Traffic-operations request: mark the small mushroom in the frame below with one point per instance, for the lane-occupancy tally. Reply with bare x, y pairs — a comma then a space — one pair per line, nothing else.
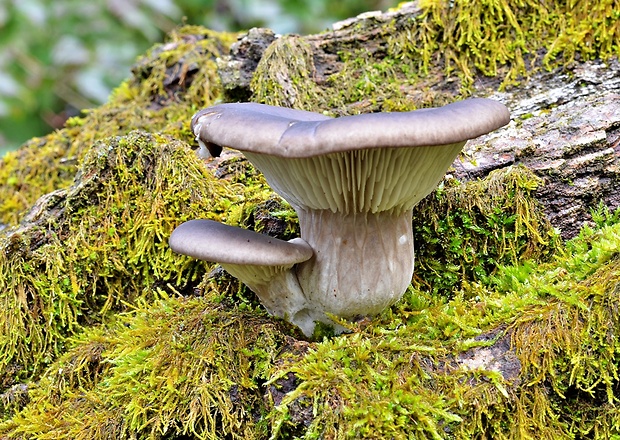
259, 261
353, 182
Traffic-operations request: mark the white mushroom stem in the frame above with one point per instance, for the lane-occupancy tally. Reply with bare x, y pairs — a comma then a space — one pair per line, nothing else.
355, 210
279, 291
362, 262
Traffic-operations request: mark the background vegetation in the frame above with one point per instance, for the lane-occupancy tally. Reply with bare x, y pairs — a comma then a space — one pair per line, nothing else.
60, 56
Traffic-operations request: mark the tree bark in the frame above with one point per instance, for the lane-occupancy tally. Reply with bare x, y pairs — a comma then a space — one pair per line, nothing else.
565, 128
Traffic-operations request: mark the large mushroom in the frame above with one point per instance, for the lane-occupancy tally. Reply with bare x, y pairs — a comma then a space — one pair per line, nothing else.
353, 182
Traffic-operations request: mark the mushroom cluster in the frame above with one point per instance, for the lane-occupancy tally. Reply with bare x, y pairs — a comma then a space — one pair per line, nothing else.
353, 182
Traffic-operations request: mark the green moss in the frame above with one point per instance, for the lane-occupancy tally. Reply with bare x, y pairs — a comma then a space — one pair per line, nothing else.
100, 244
172, 368
201, 367
489, 270
504, 38
362, 81
465, 231
433, 58
284, 76
175, 367
402, 376
168, 85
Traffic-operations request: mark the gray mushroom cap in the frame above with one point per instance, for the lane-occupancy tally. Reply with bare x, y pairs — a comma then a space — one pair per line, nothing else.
365, 163
289, 133
212, 241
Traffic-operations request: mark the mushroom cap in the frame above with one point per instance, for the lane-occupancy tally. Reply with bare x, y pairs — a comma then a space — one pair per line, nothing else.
365, 163
213, 241
290, 133
246, 113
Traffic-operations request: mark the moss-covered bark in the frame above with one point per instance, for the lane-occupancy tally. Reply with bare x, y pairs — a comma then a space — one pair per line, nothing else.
86, 251
168, 85
431, 52
188, 368
506, 331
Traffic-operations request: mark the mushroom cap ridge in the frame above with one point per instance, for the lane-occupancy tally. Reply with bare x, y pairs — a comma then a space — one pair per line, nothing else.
213, 241
293, 133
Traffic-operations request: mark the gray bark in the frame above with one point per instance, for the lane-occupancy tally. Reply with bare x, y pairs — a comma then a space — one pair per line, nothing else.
566, 128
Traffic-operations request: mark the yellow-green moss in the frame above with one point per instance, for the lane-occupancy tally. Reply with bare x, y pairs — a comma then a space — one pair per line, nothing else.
168, 85
434, 58
285, 76
174, 367
465, 231
199, 368
400, 377
100, 244
509, 39
180, 367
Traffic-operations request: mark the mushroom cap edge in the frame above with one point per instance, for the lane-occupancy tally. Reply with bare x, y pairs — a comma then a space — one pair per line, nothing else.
293, 133
213, 241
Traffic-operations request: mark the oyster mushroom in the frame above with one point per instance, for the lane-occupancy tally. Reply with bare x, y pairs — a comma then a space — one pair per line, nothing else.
353, 182
261, 262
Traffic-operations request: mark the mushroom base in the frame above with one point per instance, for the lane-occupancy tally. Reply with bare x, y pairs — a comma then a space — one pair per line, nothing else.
279, 292
362, 262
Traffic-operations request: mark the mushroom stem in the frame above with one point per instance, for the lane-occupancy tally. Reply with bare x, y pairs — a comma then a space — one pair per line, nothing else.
278, 290
378, 245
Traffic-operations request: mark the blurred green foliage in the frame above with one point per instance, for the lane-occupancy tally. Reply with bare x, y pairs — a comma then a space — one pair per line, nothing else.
60, 56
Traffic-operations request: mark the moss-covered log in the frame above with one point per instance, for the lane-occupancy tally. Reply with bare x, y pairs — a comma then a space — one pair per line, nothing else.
507, 331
